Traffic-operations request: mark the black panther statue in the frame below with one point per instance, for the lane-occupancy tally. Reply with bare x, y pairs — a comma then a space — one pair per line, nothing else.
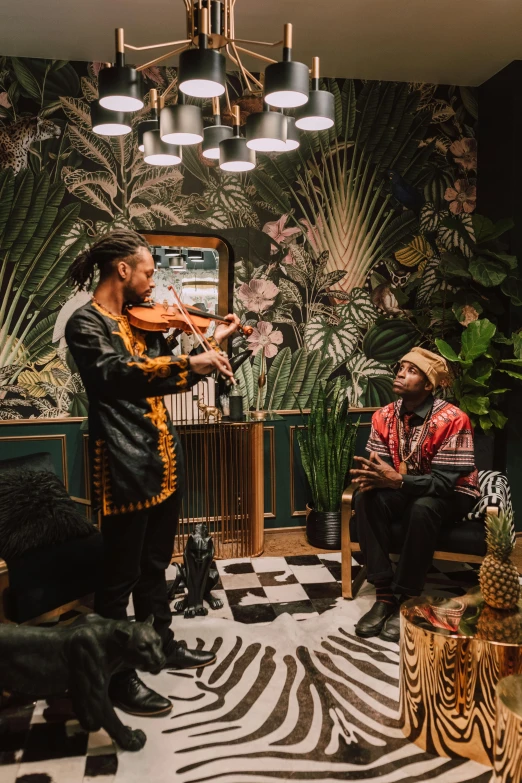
80, 659
196, 575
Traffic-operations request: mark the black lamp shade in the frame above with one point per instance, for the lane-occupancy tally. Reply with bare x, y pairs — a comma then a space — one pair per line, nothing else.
109, 123
286, 84
202, 73
213, 134
292, 135
157, 153
318, 114
266, 132
144, 126
234, 155
181, 124
120, 88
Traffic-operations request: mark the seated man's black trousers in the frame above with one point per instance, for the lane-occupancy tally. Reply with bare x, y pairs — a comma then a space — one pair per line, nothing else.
421, 518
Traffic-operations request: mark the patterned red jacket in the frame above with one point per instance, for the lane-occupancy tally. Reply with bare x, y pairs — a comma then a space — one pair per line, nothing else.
447, 443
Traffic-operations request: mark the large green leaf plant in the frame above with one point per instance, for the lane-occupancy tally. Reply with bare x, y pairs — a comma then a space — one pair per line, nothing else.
327, 445
479, 382
39, 238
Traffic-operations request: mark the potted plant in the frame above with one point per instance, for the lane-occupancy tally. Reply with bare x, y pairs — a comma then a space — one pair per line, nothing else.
327, 446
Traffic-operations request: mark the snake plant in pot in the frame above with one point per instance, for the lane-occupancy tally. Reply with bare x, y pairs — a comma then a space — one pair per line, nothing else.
327, 445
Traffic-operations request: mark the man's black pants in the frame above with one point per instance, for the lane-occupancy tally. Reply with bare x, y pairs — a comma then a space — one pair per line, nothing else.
421, 517
137, 549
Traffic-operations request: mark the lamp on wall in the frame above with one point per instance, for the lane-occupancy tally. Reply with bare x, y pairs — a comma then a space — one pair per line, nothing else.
234, 155
319, 113
120, 87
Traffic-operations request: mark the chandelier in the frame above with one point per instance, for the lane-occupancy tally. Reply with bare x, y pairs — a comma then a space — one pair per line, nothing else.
211, 41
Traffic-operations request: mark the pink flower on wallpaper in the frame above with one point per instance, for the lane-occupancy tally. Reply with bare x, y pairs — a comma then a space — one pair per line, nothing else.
258, 295
312, 234
264, 338
463, 197
465, 152
4, 100
282, 235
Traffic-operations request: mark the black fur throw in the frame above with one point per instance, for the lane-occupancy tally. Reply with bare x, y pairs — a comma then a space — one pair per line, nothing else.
35, 512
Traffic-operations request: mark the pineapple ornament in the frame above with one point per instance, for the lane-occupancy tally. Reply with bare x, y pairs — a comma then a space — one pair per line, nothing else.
498, 576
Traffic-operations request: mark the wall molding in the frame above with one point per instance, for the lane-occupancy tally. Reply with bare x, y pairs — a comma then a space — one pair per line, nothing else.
76, 419
63, 441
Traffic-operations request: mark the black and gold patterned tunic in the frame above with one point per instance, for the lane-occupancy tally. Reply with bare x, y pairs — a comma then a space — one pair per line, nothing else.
132, 441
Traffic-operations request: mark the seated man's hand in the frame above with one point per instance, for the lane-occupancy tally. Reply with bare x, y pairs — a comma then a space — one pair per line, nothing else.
375, 473
223, 330
208, 361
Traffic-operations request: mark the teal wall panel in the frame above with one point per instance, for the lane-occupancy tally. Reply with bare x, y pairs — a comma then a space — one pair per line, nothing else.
286, 488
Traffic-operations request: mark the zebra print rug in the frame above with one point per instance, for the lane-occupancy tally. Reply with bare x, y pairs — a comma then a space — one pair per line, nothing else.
288, 700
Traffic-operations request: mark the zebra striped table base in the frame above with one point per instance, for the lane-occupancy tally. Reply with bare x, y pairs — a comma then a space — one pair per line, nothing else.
450, 664
508, 731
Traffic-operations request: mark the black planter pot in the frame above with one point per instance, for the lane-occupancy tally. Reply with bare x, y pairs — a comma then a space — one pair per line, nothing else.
323, 528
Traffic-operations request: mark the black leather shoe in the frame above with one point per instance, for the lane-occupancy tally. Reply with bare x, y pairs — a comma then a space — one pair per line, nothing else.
130, 694
372, 623
178, 657
392, 627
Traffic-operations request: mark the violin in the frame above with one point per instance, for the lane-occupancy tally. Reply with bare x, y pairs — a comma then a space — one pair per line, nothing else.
154, 317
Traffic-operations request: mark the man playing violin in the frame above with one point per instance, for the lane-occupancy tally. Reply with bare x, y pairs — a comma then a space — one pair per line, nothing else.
136, 457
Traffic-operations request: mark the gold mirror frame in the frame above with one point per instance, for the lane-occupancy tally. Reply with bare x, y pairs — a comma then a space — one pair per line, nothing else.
225, 292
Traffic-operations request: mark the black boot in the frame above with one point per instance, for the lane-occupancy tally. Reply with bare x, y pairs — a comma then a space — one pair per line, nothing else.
392, 627
130, 694
372, 623
178, 657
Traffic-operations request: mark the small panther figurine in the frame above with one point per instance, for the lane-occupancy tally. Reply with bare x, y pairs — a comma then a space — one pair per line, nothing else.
80, 658
196, 575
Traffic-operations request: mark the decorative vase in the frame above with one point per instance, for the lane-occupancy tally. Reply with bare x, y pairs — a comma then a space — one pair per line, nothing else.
323, 528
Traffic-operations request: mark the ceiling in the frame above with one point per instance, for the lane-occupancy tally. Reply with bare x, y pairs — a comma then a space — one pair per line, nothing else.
442, 41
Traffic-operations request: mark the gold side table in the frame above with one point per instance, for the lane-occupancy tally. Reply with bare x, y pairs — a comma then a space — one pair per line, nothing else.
453, 654
508, 730
224, 483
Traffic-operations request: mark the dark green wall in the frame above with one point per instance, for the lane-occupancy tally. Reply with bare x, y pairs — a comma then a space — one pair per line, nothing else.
500, 195
286, 492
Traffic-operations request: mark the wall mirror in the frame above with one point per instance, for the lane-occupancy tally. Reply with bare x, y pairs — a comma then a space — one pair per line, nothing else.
198, 267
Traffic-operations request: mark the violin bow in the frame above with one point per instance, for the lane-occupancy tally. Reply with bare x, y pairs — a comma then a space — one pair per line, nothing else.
197, 334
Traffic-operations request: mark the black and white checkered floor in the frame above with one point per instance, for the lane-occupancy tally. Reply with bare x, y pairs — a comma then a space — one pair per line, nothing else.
258, 590
41, 744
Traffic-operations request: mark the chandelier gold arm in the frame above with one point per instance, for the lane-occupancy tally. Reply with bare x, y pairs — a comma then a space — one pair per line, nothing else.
163, 57
244, 72
158, 46
168, 90
255, 43
255, 54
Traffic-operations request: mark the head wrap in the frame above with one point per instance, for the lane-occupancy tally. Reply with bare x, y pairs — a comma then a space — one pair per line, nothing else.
431, 364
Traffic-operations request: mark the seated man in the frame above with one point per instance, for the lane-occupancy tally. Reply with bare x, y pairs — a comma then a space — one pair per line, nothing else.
422, 470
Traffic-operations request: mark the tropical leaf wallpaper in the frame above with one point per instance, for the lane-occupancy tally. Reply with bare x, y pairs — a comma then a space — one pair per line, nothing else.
336, 244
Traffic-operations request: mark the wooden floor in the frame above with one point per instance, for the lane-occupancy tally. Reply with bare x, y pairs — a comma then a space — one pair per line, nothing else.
282, 543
